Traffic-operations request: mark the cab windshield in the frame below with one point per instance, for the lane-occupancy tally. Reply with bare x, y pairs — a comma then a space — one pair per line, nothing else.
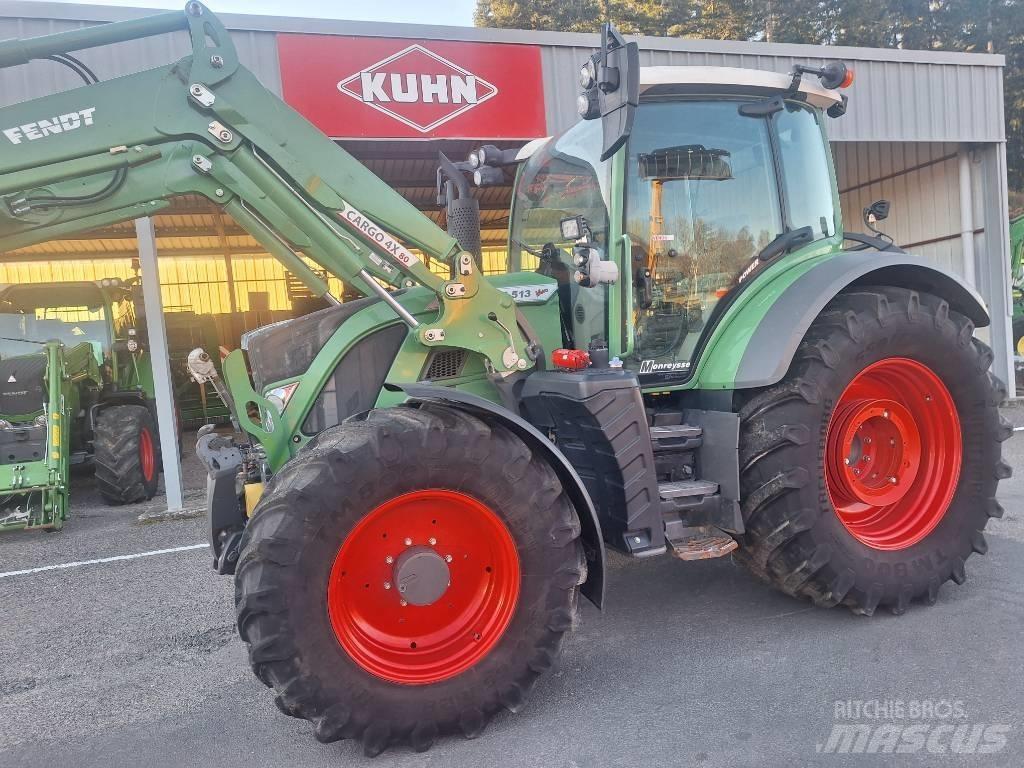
31, 315
564, 178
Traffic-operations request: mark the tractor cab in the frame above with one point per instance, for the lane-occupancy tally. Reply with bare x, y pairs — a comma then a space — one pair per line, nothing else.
723, 171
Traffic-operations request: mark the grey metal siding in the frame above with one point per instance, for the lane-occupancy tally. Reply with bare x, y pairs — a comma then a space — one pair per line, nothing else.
922, 183
889, 101
898, 95
256, 50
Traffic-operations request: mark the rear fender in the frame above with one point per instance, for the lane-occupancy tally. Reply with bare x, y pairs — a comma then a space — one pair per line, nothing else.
772, 338
593, 544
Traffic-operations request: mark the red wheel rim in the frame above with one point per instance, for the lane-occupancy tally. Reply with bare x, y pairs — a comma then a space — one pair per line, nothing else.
146, 454
893, 453
389, 605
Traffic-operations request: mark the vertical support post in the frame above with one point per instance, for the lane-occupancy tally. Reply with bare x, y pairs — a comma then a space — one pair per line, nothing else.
229, 268
967, 216
996, 286
156, 331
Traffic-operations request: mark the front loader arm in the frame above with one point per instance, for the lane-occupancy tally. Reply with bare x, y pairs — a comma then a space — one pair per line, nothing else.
119, 149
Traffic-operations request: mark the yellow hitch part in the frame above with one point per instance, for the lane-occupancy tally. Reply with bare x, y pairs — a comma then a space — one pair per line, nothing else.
253, 491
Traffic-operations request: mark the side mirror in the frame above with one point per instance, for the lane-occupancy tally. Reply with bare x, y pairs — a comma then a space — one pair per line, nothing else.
611, 88
877, 211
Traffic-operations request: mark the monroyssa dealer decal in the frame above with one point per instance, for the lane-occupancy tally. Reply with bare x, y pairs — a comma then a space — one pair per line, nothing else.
360, 87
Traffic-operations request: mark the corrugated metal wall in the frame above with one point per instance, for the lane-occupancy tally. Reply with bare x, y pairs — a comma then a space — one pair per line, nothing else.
922, 183
898, 96
256, 50
889, 101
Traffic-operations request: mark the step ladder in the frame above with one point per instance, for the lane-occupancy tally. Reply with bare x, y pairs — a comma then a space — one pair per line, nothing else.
686, 540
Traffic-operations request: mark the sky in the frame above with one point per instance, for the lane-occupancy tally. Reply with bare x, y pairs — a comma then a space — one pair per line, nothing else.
447, 12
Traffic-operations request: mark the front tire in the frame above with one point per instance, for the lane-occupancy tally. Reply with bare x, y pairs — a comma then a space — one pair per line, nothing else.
885, 375
408, 575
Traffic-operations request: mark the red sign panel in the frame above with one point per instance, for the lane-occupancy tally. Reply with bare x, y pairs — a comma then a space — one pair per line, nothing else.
383, 88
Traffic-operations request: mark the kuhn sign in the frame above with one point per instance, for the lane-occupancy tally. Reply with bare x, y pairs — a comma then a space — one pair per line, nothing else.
418, 87
384, 88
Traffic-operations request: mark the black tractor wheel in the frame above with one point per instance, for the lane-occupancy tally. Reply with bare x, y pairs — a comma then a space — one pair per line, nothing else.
408, 575
869, 472
126, 454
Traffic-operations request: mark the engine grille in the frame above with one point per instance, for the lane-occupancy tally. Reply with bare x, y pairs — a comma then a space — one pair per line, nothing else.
446, 364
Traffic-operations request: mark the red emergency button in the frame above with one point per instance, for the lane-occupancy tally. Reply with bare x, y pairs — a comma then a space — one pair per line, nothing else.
570, 359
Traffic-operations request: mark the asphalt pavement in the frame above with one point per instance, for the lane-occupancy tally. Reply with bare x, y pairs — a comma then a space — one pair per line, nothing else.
135, 662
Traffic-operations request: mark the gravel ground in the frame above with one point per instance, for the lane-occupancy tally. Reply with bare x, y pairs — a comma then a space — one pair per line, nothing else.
136, 661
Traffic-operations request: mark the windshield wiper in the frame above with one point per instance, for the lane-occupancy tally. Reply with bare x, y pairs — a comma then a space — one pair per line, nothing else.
527, 248
548, 253
785, 243
26, 341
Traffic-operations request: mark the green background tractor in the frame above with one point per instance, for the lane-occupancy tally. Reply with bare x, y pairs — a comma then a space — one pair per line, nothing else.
71, 363
691, 356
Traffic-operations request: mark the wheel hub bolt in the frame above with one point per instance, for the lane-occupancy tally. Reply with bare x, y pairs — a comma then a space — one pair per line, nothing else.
856, 471
892, 480
846, 462
885, 414
408, 542
387, 585
867, 458
389, 559
432, 541
447, 558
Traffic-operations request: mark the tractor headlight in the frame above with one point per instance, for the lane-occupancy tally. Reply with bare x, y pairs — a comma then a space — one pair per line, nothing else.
40, 420
280, 396
588, 75
587, 106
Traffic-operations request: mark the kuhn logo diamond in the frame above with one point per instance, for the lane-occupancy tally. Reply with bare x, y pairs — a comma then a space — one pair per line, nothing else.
418, 88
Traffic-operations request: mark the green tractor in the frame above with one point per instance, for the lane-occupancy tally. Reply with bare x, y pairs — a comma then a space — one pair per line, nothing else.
690, 357
75, 388
1017, 280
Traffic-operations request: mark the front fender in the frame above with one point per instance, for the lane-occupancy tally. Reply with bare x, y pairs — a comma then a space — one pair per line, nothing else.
593, 544
763, 341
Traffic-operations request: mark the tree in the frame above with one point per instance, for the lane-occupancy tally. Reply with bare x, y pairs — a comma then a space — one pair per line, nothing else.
634, 17
978, 26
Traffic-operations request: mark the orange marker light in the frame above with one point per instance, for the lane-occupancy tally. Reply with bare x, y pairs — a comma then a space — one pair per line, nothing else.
848, 80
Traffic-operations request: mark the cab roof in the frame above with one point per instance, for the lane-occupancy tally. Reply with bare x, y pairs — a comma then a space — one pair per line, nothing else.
669, 81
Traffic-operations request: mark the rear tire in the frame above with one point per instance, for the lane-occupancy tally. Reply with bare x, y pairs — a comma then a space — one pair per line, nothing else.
126, 454
795, 539
297, 560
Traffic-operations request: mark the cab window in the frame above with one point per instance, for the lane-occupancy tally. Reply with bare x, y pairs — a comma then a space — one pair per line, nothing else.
806, 175
701, 201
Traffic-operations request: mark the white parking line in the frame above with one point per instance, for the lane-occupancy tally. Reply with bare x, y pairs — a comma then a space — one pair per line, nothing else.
101, 560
